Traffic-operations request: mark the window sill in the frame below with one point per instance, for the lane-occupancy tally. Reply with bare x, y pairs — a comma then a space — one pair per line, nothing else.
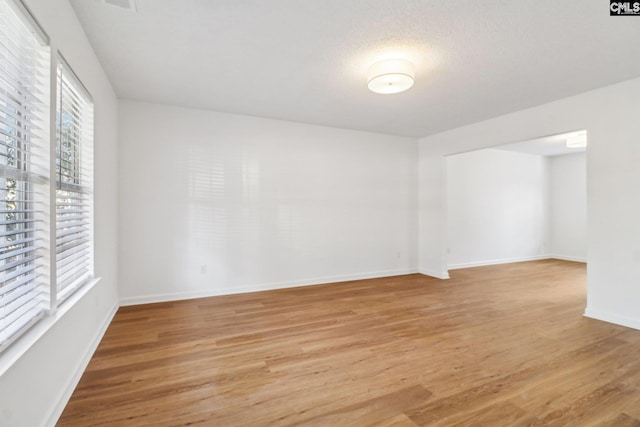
17, 349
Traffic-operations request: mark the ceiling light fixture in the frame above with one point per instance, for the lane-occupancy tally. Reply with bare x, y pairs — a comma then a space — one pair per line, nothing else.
391, 76
578, 140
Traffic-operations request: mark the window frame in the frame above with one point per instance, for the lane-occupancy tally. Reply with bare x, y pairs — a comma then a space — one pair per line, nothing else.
26, 117
55, 305
84, 186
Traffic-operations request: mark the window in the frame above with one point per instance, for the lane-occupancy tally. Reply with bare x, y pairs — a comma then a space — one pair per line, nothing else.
24, 173
46, 238
74, 183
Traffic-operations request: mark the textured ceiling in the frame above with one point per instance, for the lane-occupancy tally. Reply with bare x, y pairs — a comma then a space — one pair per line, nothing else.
306, 60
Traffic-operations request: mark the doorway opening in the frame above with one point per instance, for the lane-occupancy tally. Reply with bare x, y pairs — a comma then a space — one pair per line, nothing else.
521, 201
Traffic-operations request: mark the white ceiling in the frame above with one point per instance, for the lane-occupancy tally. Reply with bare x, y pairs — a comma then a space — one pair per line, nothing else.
555, 145
306, 61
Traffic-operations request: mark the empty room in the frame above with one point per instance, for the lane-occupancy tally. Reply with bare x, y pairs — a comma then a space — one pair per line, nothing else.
319, 213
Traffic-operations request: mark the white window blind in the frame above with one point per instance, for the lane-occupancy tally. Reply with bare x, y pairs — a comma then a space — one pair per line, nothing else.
74, 184
24, 172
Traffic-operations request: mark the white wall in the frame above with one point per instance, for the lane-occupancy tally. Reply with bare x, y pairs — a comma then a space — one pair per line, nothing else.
568, 177
35, 389
215, 203
497, 208
610, 116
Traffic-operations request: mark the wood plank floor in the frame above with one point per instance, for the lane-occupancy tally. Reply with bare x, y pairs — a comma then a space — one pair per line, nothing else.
497, 346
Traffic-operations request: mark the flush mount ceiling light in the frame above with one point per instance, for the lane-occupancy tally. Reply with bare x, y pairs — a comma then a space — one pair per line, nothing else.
391, 76
578, 140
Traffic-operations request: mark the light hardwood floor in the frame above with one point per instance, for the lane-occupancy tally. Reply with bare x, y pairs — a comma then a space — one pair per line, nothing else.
497, 346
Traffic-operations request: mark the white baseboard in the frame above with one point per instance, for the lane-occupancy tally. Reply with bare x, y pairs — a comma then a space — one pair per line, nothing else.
612, 318
75, 378
568, 258
444, 275
175, 296
498, 261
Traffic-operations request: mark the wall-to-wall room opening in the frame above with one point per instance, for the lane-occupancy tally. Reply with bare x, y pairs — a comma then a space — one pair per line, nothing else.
521, 201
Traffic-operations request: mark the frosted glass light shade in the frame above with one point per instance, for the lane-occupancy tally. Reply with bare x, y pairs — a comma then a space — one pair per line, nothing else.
391, 76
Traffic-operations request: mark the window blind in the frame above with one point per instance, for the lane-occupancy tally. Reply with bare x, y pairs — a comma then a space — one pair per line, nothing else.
24, 172
74, 183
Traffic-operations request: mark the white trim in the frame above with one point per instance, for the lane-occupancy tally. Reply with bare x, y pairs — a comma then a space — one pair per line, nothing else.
613, 318
175, 296
568, 258
18, 348
432, 273
22, 10
498, 261
73, 381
